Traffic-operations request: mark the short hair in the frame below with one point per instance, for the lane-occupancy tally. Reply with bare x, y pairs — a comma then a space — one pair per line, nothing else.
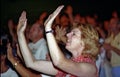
91, 39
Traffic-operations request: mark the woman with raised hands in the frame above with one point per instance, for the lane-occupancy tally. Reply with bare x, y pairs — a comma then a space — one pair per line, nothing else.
82, 42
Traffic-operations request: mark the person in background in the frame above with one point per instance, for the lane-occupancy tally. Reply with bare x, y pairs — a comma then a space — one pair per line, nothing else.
69, 11
14, 63
6, 70
12, 32
42, 17
18, 63
112, 46
38, 45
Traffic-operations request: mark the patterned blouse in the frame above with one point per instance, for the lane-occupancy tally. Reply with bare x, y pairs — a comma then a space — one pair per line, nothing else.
78, 59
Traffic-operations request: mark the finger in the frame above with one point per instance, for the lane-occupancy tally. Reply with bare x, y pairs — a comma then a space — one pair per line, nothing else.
56, 12
53, 15
25, 24
18, 50
22, 26
22, 19
23, 15
48, 19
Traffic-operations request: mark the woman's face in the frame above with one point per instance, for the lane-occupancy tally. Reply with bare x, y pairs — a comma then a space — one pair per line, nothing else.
64, 21
73, 40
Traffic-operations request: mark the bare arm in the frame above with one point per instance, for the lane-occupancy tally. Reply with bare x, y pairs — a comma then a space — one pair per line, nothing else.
109, 47
41, 66
20, 68
19, 53
59, 60
11, 28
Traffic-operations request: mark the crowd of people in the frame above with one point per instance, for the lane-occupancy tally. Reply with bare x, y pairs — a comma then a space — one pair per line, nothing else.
61, 44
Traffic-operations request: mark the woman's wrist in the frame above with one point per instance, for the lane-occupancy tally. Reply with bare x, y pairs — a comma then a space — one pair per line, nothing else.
20, 34
49, 31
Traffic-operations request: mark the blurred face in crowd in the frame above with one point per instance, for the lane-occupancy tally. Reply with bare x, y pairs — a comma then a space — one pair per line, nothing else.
83, 21
69, 9
64, 21
113, 25
43, 15
90, 20
77, 18
114, 14
35, 33
106, 25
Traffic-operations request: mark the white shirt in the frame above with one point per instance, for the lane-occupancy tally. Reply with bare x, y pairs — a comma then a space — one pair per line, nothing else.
101, 58
39, 50
9, 73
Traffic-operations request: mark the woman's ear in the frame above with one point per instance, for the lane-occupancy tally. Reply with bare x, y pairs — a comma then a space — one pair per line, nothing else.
82, 44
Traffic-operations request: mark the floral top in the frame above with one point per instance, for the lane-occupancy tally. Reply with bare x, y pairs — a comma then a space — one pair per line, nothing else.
78, 59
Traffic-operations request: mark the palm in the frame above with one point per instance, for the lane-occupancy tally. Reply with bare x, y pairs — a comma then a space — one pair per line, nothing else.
22, 22
49, 21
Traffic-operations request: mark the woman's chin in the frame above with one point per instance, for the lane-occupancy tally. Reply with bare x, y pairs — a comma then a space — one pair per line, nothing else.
67, 44
67, 47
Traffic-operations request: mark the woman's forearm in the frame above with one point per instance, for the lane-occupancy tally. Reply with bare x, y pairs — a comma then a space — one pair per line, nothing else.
41, 66
28, 58
55, 52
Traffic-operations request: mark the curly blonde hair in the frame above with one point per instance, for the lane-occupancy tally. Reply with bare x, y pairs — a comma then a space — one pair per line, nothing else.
91, 39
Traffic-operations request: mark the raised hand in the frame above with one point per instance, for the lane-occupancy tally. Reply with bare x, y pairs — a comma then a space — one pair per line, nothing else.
9, 52
10, 25
69, 10
60, 34
49, 21
22, 23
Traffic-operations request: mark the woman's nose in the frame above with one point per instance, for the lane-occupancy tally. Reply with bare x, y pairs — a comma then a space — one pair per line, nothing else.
68, 34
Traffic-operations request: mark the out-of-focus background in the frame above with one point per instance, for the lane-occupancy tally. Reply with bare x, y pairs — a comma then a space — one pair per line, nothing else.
13, 8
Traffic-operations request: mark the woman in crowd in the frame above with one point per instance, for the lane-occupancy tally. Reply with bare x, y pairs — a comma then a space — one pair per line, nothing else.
82, 42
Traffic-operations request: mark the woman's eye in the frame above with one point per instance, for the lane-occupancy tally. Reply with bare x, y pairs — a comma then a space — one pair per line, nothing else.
73, 33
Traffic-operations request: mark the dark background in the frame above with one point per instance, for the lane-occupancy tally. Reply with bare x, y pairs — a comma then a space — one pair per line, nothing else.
13, 8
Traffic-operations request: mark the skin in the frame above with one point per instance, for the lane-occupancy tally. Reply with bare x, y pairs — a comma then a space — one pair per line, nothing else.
3, 65
59, 60
20, 68
35, 34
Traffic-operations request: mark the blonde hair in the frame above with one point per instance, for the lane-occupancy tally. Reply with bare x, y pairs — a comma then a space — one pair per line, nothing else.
90, 38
